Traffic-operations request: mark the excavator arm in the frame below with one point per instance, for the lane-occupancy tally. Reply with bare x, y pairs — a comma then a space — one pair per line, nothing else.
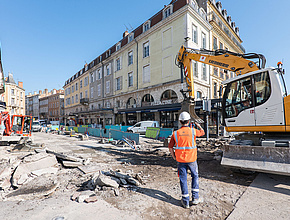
227, 60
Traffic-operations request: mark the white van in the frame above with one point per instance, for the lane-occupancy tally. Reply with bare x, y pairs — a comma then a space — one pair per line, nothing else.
141, 126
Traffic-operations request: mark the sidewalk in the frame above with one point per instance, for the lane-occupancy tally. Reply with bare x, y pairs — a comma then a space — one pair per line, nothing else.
268, 197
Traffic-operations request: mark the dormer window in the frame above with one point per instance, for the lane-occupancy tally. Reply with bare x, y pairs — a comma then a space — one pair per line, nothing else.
146, 26
194, 4
202, 13
118, 46
86, 67
131, 37
167, 11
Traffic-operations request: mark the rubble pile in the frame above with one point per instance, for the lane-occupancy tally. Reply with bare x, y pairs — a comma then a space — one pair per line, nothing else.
27, 174
106, 184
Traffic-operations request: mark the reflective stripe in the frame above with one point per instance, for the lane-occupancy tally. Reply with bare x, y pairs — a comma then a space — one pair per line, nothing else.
184, 148
193, 134
185, 195
176, 140
195, 190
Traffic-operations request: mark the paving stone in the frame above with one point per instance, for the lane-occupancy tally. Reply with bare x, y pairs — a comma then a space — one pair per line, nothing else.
91, 199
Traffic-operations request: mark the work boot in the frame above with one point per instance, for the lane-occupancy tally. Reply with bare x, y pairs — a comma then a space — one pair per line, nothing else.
196, 201
184, 205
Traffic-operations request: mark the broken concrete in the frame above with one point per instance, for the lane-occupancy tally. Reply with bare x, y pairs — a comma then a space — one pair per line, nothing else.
36, 188
103, 180
25, 171
64, 157
71, 164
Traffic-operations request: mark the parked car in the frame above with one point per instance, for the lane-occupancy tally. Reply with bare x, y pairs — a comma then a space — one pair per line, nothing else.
141, 126
36, 126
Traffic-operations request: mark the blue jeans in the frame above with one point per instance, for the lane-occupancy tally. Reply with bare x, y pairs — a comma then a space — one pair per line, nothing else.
182, 171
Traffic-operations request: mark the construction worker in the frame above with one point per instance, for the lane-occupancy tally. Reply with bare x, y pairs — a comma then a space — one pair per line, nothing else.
185, 154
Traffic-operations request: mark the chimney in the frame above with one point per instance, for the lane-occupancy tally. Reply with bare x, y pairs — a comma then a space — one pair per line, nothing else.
54, 91
126, 33
40, 92
29, 93
34, 93
46, 91
20, 84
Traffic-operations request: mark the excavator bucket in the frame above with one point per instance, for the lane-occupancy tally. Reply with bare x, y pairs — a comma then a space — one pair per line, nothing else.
188, 105
266, 159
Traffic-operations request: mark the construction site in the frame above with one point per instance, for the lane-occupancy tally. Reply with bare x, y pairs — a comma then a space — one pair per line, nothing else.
84, 177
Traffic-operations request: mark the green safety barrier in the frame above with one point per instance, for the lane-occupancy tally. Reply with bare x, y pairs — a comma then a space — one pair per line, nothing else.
152, 132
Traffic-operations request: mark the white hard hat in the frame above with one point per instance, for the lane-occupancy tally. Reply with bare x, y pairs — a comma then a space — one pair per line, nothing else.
184, 116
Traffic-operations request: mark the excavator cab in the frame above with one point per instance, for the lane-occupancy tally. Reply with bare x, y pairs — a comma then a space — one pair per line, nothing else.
21, 125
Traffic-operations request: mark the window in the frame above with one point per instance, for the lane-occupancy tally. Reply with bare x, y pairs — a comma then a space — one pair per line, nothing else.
118, 64
72, 100
193, 4
81, 84
81, 95
76, 86
68, 90
194, 33
99, 74
12, 92
130, 58
86, 67
131, 37
198, 95
215, 71
118, 83
72, 89
215, 90
215, 43
99, 90
194, 68
262, 87
77, 100
108, 104
130, 79
239, 97
203, 37
204, 75
92, 77
118, 104
146, 26
221, 73
146, 74
146, 49
118, 46
86, 94
221, 46
167, 11
108, 69
86, 82
108, 87
92, 92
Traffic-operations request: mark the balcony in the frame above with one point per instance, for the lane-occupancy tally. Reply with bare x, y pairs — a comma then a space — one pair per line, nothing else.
84, 101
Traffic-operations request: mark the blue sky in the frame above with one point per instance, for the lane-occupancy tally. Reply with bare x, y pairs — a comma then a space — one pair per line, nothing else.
46, 42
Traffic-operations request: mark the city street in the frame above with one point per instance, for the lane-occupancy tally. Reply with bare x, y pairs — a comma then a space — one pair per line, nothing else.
158, 197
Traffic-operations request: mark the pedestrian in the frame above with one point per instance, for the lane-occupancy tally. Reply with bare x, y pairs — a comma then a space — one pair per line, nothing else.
185, 154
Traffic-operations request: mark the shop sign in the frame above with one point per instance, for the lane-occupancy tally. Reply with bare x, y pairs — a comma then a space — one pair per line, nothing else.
164, 102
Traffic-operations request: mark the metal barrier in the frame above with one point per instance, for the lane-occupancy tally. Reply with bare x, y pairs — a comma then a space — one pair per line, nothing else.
107, 133
158, 133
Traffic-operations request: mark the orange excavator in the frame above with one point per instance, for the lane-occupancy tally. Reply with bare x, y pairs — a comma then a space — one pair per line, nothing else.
18, 125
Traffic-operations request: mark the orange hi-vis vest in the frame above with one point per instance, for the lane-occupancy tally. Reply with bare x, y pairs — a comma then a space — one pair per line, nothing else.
185, 145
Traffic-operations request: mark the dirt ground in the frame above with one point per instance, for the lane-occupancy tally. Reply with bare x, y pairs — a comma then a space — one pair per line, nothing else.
157, 198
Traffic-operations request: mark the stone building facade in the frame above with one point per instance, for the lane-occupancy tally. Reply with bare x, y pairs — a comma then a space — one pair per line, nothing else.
137, 79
